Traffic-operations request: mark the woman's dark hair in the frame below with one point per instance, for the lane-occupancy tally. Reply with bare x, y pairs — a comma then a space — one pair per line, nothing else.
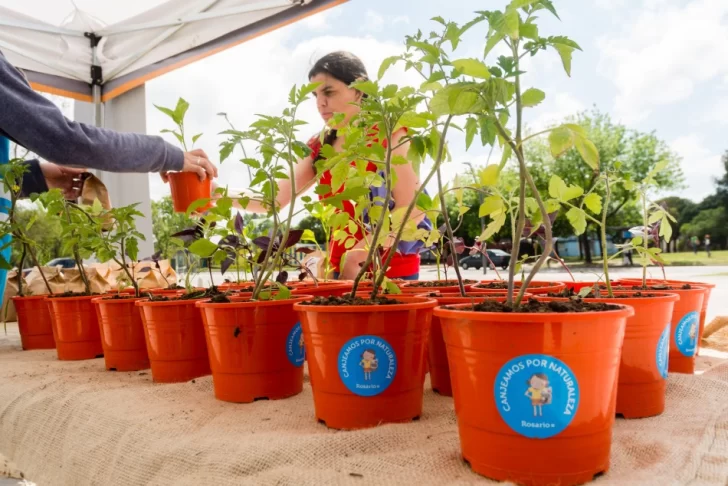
343, 66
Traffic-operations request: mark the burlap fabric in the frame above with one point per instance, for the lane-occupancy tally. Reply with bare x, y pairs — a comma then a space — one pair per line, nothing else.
72, 423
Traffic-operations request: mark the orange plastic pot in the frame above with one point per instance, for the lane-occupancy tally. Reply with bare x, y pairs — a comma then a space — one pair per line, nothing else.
412, 288
256, 349
437, 363
366, 363
75, 327
186, 188
645, 355
703, 310
122, 334
534, 288
34, 322
577, 286
176, 342
534, 394
323, 289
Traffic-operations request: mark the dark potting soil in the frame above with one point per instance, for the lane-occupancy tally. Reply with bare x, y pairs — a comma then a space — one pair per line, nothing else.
662, 287
348, 300
199, 294
75, 294
440, 283
119, 297
499, 285
603, 294
534, 306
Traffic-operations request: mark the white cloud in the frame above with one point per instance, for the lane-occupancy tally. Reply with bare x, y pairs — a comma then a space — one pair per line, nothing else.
663, 54
610, 4
322, 20
699, 165
373, 22
401, 19
554, 109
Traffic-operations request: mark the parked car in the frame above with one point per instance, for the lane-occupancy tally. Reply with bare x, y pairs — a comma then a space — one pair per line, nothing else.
63, 262
499, 258
427, 257
471, 261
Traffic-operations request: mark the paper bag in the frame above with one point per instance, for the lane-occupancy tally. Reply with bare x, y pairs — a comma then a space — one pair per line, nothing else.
11, 290
36, 285
74, 282
92, 190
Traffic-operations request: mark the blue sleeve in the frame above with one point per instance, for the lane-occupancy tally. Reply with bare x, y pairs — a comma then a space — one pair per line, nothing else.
33, 180
38, 125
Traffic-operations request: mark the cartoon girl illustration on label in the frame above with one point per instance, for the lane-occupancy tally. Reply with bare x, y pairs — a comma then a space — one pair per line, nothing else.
693, 331
539, 392
369, 362
300, 343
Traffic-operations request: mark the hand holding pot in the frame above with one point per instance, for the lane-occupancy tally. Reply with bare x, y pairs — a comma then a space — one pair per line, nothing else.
196, 161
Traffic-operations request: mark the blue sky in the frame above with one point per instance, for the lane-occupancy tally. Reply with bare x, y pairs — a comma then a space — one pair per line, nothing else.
651, 64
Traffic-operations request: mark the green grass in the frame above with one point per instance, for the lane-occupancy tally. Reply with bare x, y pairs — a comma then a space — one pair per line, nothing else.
690, 258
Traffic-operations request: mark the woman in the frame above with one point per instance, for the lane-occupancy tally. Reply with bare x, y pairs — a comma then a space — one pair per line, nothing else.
336, 72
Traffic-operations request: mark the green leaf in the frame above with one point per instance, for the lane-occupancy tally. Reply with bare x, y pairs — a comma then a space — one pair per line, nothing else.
532, 97
181, 110
593, 202
515, 4
196, 138
411, 119
637, 241
367, 87
577, 129
389, 91
493, 227
507, 153
588, 151
492, 204
511, 21
559, 190
283, 292
399, 160
577, 218
166, 111
655, 217
386, 64
561, 139
548, 5
307, 89
430, 86
424, 202
493, 40
565, 53
339, 172
529, 31
665, 228
195, 205
471, 128
425, 47
472, 67
489, 176
308, 235
392, 288
203, 248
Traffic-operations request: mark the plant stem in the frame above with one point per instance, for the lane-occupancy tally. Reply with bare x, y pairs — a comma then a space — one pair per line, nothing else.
40, 269
76, 255
448, 229
123, 264
645, 244
411, 207
20, 271
603, 232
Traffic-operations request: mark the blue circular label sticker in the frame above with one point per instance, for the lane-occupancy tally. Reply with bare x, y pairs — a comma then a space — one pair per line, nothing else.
663, 351
294, 346
686, 334
537, 395
367, 365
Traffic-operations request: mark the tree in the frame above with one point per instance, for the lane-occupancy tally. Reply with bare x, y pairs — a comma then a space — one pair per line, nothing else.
166, 223
313, 224
708, 221
637, 153
45, 230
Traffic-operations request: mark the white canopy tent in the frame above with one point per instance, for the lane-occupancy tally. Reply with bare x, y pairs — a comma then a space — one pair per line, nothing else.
101, 52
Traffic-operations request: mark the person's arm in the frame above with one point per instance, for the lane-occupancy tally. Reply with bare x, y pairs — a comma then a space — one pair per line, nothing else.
37, 124
33, 180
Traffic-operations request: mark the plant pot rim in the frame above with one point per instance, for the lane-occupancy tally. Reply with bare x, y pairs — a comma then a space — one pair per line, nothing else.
622, 295
417, 303
207, 304
538, 283
30, 297
72, 299
105, 300
623, 311
474, 295
693, 289
145, 302
670, 281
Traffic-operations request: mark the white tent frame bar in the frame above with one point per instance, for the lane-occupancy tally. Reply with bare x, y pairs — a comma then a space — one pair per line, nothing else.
256, 7
50, 29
